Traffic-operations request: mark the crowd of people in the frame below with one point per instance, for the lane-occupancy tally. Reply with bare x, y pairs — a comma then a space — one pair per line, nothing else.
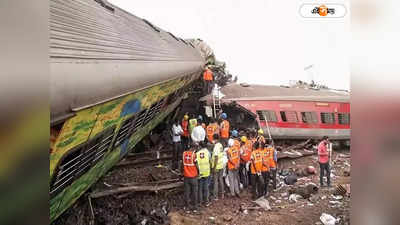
216, 159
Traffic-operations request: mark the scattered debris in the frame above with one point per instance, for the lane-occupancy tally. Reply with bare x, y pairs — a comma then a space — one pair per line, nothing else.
340, 190
263, 203
304, 190
293, 198
346, 173
327, 219
290, 179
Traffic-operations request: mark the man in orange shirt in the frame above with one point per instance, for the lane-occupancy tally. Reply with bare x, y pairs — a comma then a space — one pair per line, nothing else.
233, 168
185, 128
190, 173
273, 162
256, 167
245, 155
266, 157
224, 128
208, 80
212, 129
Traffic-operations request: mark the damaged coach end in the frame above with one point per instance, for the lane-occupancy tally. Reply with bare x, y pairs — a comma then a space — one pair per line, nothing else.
286, 112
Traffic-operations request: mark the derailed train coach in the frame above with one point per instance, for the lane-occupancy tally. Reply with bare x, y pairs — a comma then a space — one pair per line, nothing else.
288, 113
114, 77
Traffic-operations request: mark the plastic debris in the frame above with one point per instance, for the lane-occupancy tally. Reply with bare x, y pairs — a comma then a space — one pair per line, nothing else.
327, 219
263, 203
294, 197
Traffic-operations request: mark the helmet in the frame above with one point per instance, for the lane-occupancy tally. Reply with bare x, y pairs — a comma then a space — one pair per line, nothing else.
185, 117
235, 133
200, 117
224, 116
243, 138
260, 131
231, 142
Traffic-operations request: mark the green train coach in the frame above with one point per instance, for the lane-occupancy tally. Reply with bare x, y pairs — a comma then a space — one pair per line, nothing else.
114, 77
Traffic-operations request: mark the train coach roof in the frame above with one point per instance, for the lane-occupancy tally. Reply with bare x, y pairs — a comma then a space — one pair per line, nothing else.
99, 52
237, 92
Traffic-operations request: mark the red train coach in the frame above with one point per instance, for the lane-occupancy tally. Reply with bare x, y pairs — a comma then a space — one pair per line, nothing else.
290, 113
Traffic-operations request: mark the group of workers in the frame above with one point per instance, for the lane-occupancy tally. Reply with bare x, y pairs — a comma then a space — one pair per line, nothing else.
216, 156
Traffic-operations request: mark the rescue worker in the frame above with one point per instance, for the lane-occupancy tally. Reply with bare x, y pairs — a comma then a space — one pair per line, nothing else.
203, 157
266, 160
177, 131
260, 137
190, 173
212, 129
208, 80
234, 137
245, 155
256, 167
273, 162
217, 167
198, 133
192, 123
323, 159
224, 128
185, 135
233, 168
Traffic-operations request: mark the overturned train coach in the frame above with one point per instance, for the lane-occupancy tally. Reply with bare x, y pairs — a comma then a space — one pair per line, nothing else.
114, 77
287, 112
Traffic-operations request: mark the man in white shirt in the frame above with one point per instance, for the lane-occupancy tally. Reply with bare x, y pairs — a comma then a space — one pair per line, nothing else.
177, 131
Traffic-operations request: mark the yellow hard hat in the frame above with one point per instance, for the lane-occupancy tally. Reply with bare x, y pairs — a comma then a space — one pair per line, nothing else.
260, 131
243, 138
185, 117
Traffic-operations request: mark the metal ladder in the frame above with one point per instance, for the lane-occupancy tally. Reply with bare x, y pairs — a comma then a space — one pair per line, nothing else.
216, 102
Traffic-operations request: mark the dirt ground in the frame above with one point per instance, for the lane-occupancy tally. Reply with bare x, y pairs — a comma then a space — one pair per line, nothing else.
165, 207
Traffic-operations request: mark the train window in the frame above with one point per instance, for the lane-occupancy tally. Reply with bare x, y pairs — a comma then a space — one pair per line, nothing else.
327, 118
309, 117
154, 110
124, 131
289, 116
139, 121
80, 160
267, 114
344, 118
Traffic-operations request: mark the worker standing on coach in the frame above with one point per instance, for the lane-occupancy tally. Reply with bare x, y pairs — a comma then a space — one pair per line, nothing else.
323, 159
203, 157
245, 155
185, 128
273, 162
190, 173
208, 80
233, 167
256, 167
266, 161
224, 128
177, 131
217, 167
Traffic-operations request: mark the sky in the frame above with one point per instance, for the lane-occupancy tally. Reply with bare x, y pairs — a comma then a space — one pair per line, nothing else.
261, 41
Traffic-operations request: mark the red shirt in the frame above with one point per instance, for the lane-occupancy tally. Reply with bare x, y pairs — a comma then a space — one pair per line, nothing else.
323, 155
189, 164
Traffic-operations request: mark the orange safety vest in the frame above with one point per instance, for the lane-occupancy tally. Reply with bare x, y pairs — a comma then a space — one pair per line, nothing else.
272, 163
236, 144
246, 155
256, 164
185, 129
233, 158
210, 132
266, 159
208, 75
189, 166
225, 129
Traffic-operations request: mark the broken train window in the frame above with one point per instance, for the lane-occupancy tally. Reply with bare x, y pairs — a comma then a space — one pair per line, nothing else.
289, 116
267, 114
344, 118
327, 117
79, 160
309, 117
125, 131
